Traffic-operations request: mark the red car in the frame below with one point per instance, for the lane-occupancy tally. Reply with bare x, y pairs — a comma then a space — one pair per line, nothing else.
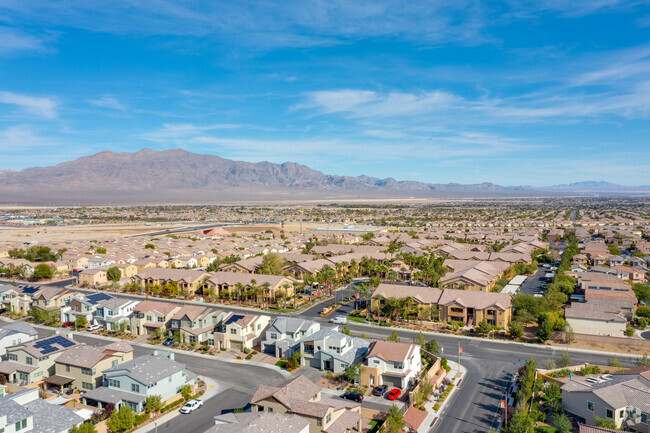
68, 324
394, 393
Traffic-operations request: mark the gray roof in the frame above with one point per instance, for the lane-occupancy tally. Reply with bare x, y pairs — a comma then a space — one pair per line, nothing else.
616, 393
17, 327
111, 395
359, 345
258, 422
147, 369
49, 418
12, 410
290, 325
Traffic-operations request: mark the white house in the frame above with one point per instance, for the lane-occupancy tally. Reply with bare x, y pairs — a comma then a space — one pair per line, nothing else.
15, 333
284, 332
391, 363
112, 312
240, 330
329, 349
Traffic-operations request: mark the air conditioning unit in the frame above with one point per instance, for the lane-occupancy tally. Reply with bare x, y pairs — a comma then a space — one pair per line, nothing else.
633, 415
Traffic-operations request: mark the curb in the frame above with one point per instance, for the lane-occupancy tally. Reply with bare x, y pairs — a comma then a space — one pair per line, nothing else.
284, 373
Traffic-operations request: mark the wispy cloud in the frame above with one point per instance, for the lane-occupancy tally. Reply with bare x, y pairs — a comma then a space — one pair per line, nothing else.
43, 107
18, 138
178, 133
108, 102
14, 40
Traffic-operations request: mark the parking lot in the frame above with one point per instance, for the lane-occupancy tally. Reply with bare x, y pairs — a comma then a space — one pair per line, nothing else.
535, 284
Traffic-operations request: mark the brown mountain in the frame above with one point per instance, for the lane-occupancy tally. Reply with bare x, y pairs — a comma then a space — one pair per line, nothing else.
178, 176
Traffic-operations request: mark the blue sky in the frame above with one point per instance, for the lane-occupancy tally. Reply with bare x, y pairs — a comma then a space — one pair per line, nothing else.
511, 92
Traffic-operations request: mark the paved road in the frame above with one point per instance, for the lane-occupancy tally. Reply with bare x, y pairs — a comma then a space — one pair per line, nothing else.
533, 283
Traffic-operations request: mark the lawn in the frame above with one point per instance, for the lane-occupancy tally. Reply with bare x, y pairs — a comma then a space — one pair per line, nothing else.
281, 364
374, 426
546, 429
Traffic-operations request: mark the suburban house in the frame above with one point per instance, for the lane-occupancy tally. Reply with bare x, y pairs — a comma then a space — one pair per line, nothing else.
83, 305
302, 397
597, 318
472, 308
93, 277
80, 367
622, 401
151, 315
241, 330
472, 275
132, 382
422, 296
248, 266
188, 280
15, 333
196, 324
270, 285
284, 332
51, 298
329, 349
24, 411
115, 313
33, 360
256, 422
391, 363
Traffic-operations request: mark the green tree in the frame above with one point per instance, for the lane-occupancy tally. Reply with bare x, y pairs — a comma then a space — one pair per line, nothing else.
153, 403
43, 271
420, 340
150, 246
114, 274
521, 422
553, 391
561, 422
564, 360
432, 347
272, 264
186, 392
605, 422
614, 362
483, 327
643, 361
81, 321
294, 361
346, 330
516, 330
121, 420
351, 373
100, 250
545, 332
393, 337
83, 428
394, 421
642, 292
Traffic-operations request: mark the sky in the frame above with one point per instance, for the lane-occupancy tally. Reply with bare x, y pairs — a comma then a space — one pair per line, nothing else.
515, 92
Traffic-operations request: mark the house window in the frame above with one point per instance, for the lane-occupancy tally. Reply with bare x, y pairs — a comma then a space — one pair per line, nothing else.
160, 319
133, 406
259, 326
135, 387
87, 371
114, 363
621, 413
274, 336
399, 365
67, 368
23, 376
29, 360
86, 385
210, 342
610, 414
113, 383
319, 422
590, 406
233, 331
328, 418
149, 318
376, 361
644, 418
13, 357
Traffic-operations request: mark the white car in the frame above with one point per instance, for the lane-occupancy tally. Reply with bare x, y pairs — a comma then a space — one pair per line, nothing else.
191, 405
92, 328
339, 320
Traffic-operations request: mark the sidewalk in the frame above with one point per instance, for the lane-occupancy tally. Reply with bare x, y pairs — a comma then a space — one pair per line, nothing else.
456, 375
212, 390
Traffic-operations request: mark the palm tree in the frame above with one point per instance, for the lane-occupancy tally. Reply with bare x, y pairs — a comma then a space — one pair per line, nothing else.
239, 288
366, 293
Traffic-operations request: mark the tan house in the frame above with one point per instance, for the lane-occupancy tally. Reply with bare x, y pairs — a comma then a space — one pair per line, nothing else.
81, 367
422, 296
144, 264
93, 277
472, 308
151, 315
241, 331
188, 280
302, 397
51, 298
196, 324
271, 285
128, 269
472, 275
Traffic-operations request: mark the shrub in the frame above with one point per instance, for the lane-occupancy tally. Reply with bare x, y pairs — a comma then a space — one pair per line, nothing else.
139, 419
172, 405
249, 356
629, 331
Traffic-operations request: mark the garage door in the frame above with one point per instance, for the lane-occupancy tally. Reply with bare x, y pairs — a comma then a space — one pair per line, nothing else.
392, 381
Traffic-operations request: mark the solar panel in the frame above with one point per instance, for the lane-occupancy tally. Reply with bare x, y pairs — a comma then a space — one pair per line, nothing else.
29, 290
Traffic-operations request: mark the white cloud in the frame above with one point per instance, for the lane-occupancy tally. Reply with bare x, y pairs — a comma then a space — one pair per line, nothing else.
109, 102
180, 132
44, 107
18, 138
14, 40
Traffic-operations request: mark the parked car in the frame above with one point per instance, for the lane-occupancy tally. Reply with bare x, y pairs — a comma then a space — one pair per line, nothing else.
68, 324
169, 341
92, 328
354, 396
191, 406
380, 390
394, 393
339, 320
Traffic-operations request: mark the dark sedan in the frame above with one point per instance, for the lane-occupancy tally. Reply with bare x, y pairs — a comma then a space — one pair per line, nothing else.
354, 396
380, 390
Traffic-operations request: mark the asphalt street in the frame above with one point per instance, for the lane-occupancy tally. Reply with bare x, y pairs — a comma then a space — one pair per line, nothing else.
533, 283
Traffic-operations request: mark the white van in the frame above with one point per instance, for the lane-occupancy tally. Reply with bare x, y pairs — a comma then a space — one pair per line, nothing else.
339, 320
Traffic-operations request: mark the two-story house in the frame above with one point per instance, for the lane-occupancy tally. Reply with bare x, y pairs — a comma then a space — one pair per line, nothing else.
241, 330
391, 363
196, 324
83, 305
81, 367
132, 382
302, 397
188, 280
51, 298
474, 307
114, 313
33, 360
15, 333
283, 333
148, 316
329, 349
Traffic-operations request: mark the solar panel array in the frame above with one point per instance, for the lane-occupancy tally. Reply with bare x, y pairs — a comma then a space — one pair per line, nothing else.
48, 345
31, 289
98, 297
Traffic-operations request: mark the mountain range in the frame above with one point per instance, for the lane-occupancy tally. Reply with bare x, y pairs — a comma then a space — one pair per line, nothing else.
179, 176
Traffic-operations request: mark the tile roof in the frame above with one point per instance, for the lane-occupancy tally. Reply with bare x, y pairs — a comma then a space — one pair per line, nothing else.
147, 369
390, 350
258, 422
